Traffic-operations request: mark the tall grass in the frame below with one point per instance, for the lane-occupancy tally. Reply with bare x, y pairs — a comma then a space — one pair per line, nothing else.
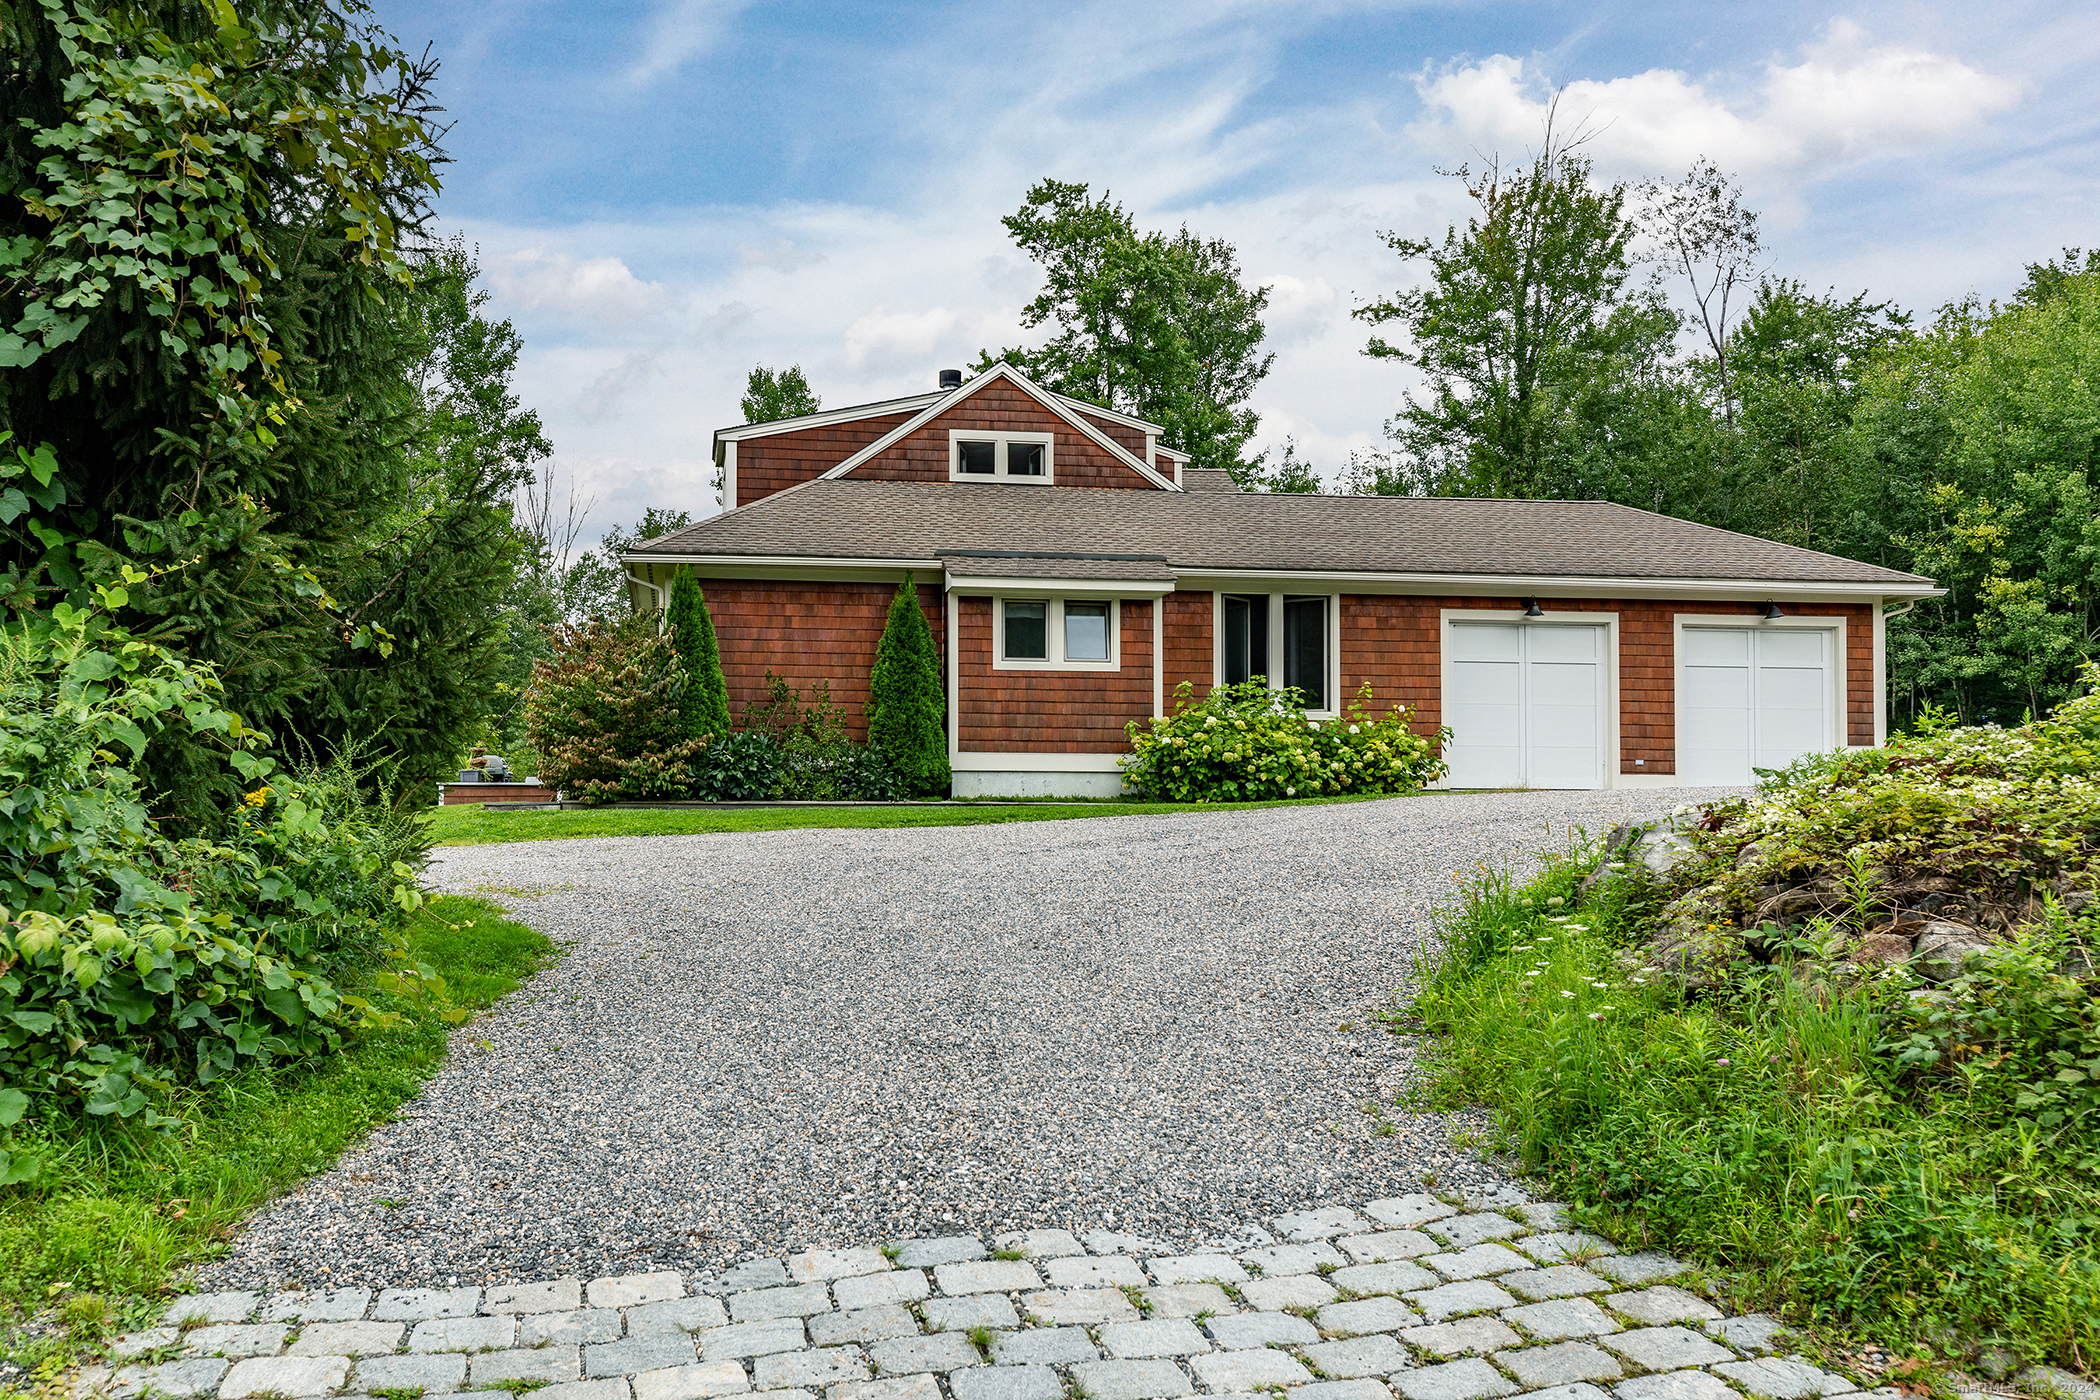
1769, 1131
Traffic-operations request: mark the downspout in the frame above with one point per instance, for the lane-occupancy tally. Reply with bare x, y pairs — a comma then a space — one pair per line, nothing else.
1900, 610
662, 608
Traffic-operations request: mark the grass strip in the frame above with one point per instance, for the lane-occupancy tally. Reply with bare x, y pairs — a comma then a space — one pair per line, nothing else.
116, 1213
1768, 1130
471, 824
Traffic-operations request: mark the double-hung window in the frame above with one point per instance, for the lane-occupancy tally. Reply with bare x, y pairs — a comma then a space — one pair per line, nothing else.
975, 455
1253, 627
1055, 633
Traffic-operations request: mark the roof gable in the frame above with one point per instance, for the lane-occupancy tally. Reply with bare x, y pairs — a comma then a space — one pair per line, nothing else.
1003, 373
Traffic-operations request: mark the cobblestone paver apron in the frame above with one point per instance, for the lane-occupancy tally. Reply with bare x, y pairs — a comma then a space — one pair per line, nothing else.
1414, 1298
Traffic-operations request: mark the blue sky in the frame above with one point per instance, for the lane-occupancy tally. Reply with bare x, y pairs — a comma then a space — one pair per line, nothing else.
666, 192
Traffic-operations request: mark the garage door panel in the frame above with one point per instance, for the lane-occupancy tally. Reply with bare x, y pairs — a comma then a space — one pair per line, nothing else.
1791, 648
1751, 697
1484, 641
1713, 646
1550, 644
1524, 705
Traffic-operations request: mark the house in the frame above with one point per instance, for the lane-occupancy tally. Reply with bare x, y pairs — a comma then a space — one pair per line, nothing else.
1076, 573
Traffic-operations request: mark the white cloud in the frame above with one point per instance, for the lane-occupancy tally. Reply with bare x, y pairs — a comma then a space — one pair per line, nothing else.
891, 333
592, 290
1847, 100
682, 30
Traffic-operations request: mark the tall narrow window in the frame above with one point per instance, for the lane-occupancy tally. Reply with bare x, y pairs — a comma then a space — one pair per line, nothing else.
1246, 637
1086, 631
1027, 630
1024, 459
1305, 649
977, 458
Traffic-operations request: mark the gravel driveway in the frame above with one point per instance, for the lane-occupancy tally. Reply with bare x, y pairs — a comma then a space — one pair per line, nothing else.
761, 1043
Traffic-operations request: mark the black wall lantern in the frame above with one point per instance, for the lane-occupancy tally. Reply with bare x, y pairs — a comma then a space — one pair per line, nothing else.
1772, 612
1532, 608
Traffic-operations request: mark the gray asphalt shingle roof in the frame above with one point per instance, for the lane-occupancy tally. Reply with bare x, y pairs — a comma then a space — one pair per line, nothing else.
1208, 529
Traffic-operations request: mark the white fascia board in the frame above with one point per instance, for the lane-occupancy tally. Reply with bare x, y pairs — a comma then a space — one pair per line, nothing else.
1169, 452
1020, 381
1115, 416
760, 566
1108, 587
818, 420
1558, 586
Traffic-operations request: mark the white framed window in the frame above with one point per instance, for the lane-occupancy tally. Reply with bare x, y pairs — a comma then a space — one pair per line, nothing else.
1056, 634
1288, 639
1024, 458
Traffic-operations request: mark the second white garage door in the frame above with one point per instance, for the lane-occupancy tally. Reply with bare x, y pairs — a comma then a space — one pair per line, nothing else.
1751, 698
1525, 705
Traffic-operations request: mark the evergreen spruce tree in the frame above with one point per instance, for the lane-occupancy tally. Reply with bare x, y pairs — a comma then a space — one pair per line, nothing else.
705, 703
906, 708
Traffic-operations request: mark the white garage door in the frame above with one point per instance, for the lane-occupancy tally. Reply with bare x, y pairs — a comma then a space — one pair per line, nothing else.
1752, 698
1525, 705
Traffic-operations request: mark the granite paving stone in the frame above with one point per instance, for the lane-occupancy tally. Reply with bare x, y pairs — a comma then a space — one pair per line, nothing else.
751, 1273
1131, 1380
751, 1339
1247, 1370
862, 1325
1674, 1385
431, 1374
873, 1290
948, 1249
317, 1305
1580, 1390
1357, 1356
1365, 1315
1098, 1271
1007, 1383
232, 1306
419, 1304
138, 1343
349, 1339
464, 1334
1386, 1245
1084, 1306
1039, 1244
1662, 1304
986, 1276
1562, 1246
1459, 1231
629, 1290
614, 1388
1123, 1242
285, 1375
1318, 1224
944, 1351
1475, 1261
1563, 1364
236, 1339
1274, 1260
586, 1325
823, 1265
695, 1382
1470, 1379
1383, 1278
812, 1369
1196, 1268
1666, 1348
1260, 1329
195, 1376
1136, 1341
1544, 1215
1405, 1212
1480, 1334
977, 1310
676, 1315
1342, 1390
1634, 1270
1558, 1281
556, 1295
1783, 1379
633, 1354
1043, 1346
797, 1300
1186, 1300
1561, 1318
1290, 1291
889, 1388
1452, 1299
1757, 1333
550, 1364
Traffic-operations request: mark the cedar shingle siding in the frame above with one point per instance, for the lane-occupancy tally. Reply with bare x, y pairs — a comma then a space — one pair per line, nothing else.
923, 456
806, 633
768, 464
1049, 711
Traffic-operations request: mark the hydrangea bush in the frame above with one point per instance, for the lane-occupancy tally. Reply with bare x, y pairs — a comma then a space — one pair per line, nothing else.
1248, 743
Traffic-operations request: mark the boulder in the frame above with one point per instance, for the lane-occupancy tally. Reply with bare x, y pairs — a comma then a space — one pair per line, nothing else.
1694, 949
1884, 948
1942, 948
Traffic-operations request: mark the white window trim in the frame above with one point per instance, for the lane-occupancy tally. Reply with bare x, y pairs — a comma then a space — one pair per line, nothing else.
1048, 441
1056, 639
1610, 756
1334, 641
1838, 715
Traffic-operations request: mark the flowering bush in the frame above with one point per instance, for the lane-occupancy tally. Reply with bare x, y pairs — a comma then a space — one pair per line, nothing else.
1248, 743
604, 714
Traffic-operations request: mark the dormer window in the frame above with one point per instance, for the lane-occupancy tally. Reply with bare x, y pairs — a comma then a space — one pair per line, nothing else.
977, 455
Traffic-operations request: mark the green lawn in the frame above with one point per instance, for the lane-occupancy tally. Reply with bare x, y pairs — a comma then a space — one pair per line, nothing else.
475, 825
116, 1214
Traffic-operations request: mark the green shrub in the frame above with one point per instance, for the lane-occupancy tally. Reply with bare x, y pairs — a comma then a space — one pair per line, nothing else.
704, 703
604, 714
1248, 743
741, 766
814, 760
132, 964
907, 703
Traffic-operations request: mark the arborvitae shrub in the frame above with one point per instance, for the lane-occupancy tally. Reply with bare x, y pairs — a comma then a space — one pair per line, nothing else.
704, 704
906, 707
